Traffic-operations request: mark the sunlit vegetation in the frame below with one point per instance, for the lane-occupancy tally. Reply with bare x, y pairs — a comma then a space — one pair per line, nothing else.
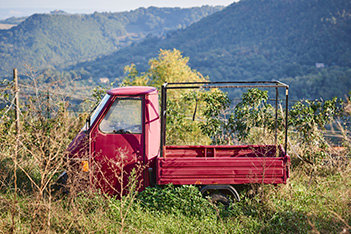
303, 43
316, 198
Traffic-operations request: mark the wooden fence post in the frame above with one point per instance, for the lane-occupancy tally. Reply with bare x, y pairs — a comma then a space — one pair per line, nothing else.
18, 131
17, 113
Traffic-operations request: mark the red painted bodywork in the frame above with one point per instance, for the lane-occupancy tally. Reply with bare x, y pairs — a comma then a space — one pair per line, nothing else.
225, 164
108, 151
78, 148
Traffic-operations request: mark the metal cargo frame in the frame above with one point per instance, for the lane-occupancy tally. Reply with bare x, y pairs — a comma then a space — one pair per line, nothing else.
225, 84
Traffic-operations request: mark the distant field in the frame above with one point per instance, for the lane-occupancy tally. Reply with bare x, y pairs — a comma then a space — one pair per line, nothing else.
6, 26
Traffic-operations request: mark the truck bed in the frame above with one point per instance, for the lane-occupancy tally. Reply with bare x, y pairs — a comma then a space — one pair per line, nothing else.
224, 164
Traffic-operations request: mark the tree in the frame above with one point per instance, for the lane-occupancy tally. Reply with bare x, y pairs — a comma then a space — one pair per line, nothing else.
226, 124
171, 66
308, 118
201, 116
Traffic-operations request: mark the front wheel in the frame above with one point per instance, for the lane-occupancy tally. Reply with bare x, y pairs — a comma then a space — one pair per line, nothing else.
61, 184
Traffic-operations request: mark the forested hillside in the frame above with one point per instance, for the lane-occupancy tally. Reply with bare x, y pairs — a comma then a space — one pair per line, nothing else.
49, 40
13, 20
305, 43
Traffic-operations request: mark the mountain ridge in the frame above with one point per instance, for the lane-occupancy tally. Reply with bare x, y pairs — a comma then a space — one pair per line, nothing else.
50, 40
255, 40
305, 43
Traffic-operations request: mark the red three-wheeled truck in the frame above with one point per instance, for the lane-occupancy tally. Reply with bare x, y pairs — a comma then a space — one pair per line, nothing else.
127, 130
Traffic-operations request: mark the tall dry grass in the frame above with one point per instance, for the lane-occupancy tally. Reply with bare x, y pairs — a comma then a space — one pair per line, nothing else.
316, 198
46, 128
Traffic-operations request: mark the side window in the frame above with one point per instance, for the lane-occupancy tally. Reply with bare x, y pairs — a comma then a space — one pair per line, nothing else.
123, 117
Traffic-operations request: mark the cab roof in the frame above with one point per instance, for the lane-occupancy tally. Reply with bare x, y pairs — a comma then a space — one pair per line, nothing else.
132, 91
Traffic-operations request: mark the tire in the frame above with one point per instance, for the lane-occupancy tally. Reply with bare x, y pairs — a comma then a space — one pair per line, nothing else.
61, 182
218, 199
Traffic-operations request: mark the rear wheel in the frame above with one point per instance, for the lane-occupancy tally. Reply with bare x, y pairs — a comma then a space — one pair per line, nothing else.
221, 189
219, 199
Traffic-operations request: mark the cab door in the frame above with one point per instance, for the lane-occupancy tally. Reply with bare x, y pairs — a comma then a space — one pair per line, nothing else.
117, 145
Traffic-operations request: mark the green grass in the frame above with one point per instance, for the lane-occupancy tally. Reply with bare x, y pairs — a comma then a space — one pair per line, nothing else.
304, 205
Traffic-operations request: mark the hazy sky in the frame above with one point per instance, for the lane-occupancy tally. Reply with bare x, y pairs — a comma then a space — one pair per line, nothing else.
10, 8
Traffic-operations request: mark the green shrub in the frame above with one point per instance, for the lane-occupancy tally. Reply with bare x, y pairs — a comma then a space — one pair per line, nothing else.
186, 200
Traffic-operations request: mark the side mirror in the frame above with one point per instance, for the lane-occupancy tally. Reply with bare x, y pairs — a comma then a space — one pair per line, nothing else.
87, 123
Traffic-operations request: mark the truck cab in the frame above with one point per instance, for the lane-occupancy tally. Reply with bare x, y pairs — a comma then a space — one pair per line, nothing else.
122, 132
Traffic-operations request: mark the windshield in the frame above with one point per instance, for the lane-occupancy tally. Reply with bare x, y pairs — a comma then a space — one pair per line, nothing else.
96, 111
123, 117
